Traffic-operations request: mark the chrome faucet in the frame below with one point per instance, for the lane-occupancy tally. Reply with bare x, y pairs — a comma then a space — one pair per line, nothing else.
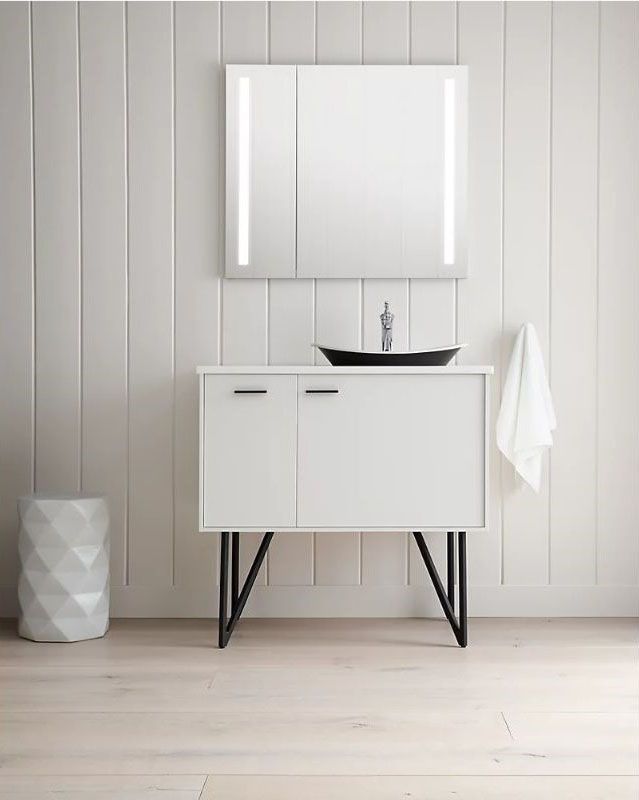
387, 318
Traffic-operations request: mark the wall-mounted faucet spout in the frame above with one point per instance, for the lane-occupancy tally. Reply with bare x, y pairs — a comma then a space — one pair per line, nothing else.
387, 318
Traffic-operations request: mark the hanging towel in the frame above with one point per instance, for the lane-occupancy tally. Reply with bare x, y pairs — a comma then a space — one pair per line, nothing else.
526, 417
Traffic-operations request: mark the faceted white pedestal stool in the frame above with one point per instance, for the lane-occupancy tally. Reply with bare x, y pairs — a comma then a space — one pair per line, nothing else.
64, 556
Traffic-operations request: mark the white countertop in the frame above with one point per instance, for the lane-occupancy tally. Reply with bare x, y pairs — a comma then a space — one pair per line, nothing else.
286, 369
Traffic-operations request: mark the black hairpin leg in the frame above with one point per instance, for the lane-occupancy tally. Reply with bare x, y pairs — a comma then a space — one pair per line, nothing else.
450, 567
447, 598
238, 598
235, 568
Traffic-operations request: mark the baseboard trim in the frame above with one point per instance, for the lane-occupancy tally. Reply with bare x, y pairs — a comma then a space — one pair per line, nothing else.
370, 601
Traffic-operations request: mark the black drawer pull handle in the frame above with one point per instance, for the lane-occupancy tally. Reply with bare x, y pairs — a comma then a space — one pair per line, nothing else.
322, 391
250, 391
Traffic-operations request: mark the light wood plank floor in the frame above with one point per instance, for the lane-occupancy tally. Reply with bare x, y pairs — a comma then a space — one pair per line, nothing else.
324, 709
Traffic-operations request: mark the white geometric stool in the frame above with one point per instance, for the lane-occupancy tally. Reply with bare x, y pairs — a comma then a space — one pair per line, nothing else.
63, 590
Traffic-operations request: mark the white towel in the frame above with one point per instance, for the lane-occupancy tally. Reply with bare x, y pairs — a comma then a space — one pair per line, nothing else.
526, 417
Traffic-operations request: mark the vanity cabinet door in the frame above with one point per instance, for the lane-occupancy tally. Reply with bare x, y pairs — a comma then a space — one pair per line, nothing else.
385, 451
248, 460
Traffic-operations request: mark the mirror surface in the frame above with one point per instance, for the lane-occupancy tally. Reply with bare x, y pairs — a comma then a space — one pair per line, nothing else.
346, 171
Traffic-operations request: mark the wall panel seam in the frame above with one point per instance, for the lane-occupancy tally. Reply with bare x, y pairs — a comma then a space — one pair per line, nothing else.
409, 285
314, 325
361, 31
127, 527
501, 273
408, 290
361, 313
314, 35
267, 315
313, 282
549, 269
597, 308
33, 255
173, 289
361, 293
456, 280
268, 32
80, 253
222, 186
268, 282
361, 283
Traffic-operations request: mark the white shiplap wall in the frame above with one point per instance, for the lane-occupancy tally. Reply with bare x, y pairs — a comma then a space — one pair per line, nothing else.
111, 234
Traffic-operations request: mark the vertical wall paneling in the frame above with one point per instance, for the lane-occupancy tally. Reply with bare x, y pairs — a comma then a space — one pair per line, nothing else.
526, 256
292, 32
337, 559
480, 295
111, 239
291, 315
104, 266
384, 557
433, 33
245, 302
385, 32
385, 40
291, 560
432, 313
198, 242
618, 365
433, 40
376, 293
573, 295
337, 311
57, 247
244, 306
16, 296
151, 301
338, 302
339, 32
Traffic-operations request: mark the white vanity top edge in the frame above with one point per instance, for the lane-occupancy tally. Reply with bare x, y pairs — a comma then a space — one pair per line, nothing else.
285, 369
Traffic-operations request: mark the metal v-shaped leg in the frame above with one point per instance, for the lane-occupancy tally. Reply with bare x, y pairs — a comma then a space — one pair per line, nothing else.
238, 597
446, 596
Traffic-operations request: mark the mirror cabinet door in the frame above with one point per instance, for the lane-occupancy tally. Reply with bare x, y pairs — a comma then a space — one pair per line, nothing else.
260, 171
380, 172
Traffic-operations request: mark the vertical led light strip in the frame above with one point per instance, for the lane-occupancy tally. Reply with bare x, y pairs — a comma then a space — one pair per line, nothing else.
449, 171
243, 173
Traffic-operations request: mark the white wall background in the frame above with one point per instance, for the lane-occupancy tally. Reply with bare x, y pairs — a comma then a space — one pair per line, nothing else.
111, 179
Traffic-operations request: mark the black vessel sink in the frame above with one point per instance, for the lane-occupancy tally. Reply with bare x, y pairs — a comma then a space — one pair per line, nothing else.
437, 357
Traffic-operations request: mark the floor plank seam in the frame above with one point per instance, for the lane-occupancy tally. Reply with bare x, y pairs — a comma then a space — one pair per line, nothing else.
510, 733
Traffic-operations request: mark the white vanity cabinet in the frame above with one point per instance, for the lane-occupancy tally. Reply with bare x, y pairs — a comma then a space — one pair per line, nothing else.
330, 448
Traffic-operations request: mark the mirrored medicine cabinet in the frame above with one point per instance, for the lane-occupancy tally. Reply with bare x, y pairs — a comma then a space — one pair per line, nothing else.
346, 171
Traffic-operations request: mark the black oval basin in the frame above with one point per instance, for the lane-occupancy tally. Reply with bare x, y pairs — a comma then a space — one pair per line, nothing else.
437, 357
